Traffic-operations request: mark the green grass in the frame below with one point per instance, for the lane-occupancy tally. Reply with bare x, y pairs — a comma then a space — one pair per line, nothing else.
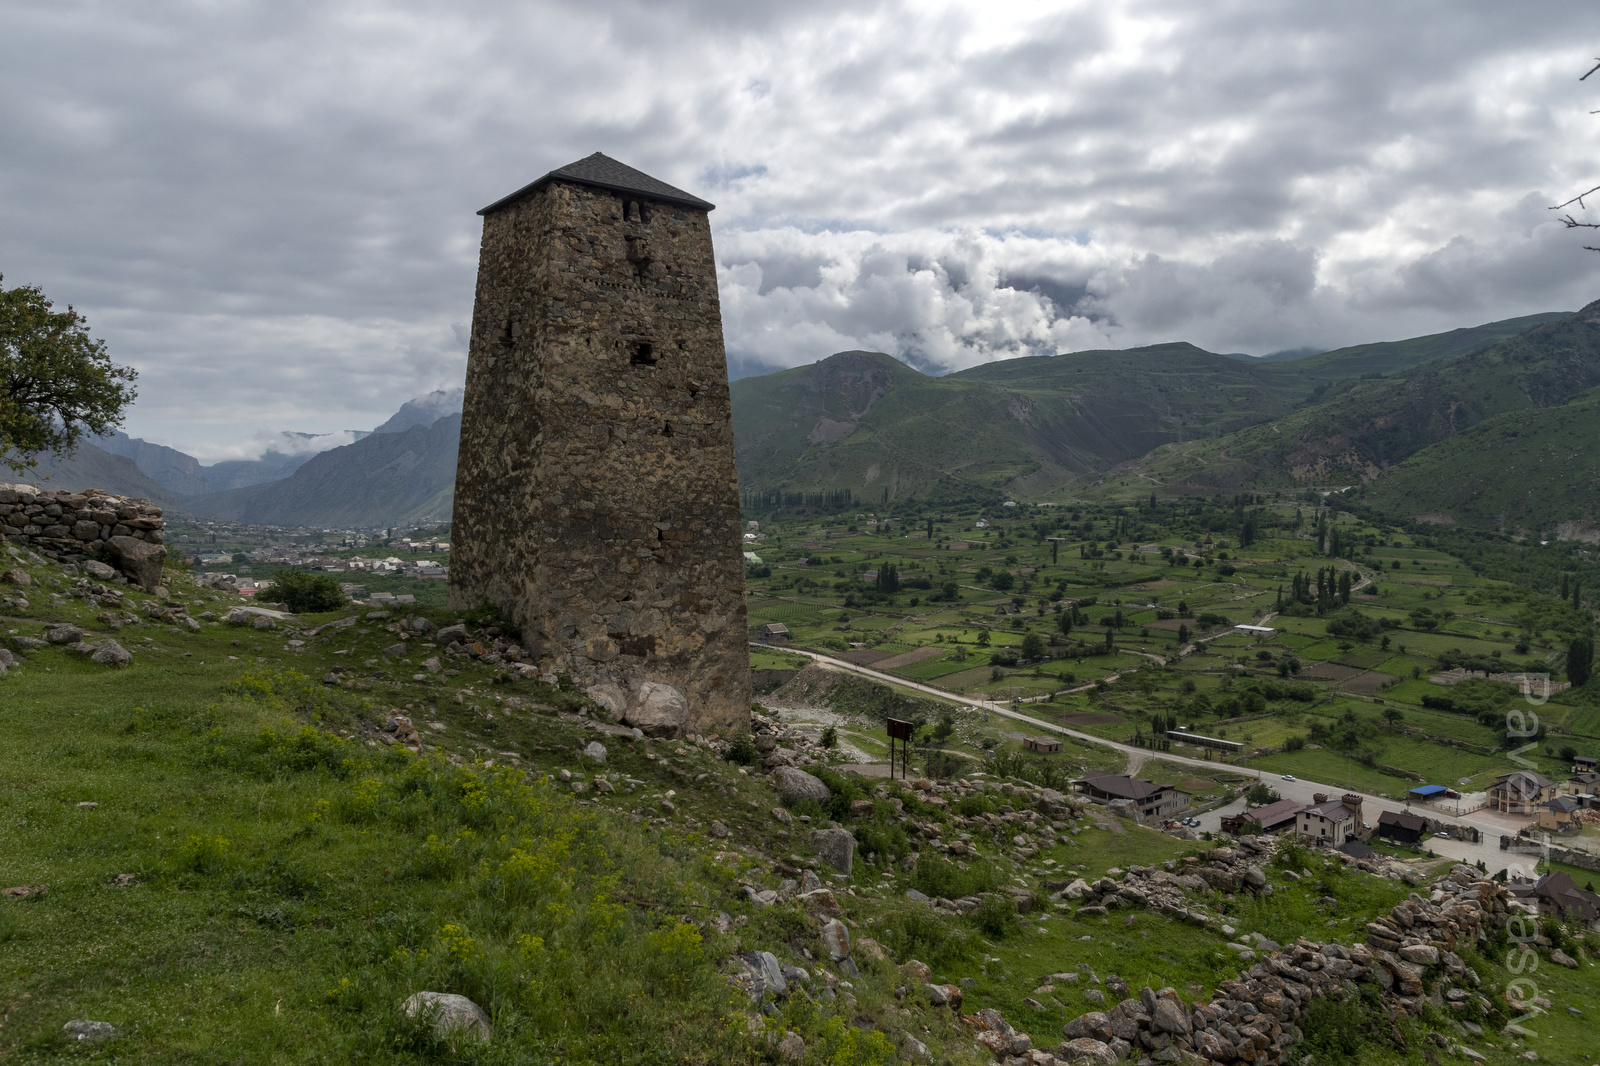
293, 887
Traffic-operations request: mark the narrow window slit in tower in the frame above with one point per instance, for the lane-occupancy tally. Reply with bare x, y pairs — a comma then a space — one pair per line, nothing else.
644, 354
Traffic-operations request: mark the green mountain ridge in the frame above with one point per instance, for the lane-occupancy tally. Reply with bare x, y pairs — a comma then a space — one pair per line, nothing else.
1033, 426
1359, 429
1532, 469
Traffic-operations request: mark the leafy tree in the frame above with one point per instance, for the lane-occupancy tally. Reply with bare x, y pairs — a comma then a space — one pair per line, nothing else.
983, 638
1032, 646
1260, 794
56, 382
1423, 618
830, 736
1004, 580
1580, 657
1353, 624
304, 592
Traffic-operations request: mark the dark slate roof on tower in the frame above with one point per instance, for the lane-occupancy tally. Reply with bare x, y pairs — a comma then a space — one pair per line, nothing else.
603, 172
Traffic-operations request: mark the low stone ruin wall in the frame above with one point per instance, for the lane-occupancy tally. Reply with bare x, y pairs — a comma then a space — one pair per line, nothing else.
123, 531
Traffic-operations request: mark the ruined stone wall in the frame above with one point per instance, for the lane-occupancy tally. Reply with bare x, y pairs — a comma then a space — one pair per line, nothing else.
121, 530
596, 500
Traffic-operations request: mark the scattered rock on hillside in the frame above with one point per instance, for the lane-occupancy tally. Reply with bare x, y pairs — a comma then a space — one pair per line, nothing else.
606, 694
96, 569
763, 974
140, 560
110, 653
449, 634
658, 710
63, 634
795, 785
836, 847
16, 577
452, 1015
595, 750
84, 1031
25, 892
104, 652
835, 939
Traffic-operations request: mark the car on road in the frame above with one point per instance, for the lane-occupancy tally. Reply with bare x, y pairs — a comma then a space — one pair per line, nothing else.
1288, 777
1442, 836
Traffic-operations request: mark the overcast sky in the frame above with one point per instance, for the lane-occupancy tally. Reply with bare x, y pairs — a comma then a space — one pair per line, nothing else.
268, 208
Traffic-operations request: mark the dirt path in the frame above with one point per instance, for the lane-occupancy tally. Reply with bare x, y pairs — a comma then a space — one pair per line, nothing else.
1300, 791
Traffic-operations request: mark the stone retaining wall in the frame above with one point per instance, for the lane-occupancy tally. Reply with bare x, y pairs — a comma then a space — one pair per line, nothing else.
71, 526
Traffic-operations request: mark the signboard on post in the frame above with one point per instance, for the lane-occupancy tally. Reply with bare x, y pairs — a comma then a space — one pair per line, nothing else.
902, 732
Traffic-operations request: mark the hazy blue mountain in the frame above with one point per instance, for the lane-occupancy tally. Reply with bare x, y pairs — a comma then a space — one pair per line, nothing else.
394, 478
424, 410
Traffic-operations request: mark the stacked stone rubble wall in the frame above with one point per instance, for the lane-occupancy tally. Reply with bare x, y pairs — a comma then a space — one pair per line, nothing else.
124, 531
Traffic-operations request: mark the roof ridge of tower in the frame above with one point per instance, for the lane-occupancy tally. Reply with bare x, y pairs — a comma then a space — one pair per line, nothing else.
602, 172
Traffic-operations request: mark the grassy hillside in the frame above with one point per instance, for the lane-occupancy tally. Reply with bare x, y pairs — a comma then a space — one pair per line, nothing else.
1389, 357
241, 869
866, 422
1358, 429
1532, 469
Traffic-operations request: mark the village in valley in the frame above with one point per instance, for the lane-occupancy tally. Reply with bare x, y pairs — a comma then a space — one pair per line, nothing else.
1340, 677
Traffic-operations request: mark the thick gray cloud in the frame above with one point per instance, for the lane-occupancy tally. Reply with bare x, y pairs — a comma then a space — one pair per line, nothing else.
268, 207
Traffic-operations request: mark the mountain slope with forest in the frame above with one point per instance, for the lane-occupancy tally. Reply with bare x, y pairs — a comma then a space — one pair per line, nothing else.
865, 422
1530, 469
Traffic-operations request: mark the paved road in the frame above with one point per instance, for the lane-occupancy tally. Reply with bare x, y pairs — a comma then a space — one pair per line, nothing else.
1300, 791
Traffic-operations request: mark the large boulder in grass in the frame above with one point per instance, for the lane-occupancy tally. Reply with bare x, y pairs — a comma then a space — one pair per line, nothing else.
796, 785
658, 710
454, 1017
140, 560
836, 847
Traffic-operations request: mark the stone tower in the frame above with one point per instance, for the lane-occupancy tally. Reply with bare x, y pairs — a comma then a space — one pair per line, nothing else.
596, 501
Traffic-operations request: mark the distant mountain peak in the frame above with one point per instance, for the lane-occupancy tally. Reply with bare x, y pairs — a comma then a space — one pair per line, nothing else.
424, 410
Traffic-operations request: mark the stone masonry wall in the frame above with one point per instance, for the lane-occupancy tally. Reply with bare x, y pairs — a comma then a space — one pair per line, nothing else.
596, 500
123, 531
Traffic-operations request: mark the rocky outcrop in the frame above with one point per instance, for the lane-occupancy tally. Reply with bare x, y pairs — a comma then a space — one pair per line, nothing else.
72, 526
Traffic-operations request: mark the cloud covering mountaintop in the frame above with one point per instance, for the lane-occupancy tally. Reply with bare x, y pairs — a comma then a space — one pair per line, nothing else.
268, 208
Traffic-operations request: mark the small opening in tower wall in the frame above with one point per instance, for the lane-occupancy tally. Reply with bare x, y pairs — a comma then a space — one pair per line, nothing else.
644, 354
